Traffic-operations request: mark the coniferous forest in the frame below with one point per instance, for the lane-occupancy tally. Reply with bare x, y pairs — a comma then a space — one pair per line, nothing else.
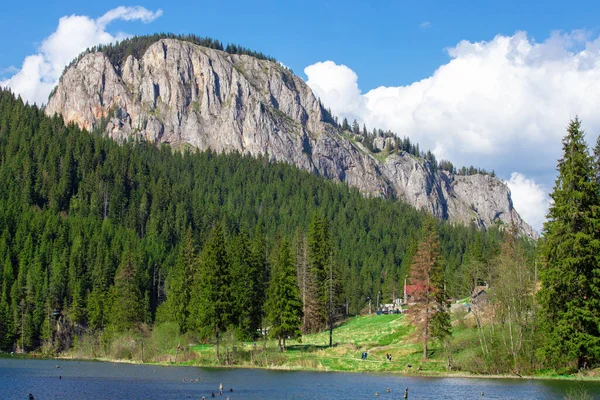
99, 235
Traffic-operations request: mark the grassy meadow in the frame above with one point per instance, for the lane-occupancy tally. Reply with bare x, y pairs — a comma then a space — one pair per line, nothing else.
377, 335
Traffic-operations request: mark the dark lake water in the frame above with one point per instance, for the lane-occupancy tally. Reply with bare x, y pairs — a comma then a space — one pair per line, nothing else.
97, 380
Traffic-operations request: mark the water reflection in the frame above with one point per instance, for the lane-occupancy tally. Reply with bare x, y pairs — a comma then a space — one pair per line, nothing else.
84, 379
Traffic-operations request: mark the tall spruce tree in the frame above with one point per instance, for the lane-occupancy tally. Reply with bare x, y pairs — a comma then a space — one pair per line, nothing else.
307, 283
570, 294
127, 302
321, 266
180, 283
284, 308
318, 258
258, 277
213, 303
427, 279
247, 281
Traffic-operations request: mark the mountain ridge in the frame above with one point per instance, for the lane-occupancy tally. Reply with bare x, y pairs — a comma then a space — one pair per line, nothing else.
182, 93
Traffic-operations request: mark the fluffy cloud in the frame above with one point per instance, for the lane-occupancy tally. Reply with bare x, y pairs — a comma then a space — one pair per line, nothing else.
337, 85
501, 104
40, 72
529, 198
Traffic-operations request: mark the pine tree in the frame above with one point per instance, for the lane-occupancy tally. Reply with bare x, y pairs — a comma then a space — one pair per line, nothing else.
426, 277
570, 293
6, 320
213, 288
247, 281
258, 277
597, 160
180, 283
345, 125
355, 127
319, 260
307, 283
127, 303
96, 301
284, 307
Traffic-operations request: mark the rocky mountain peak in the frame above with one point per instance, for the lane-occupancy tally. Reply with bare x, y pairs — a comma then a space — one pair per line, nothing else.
181, 93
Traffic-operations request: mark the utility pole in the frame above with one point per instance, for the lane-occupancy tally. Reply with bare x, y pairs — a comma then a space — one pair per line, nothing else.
378, 293
369, 298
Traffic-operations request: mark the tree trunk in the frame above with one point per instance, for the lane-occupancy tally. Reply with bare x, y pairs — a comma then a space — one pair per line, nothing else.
426, 331
217, 348
425, 334
177, 351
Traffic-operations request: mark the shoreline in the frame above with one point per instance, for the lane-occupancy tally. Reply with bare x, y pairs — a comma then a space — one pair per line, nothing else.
448, 375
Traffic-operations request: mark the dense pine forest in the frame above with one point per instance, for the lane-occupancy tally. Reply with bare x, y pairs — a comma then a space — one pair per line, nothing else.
97, 234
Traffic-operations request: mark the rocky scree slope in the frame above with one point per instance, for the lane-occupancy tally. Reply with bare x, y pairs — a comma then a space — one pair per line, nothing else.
184, 94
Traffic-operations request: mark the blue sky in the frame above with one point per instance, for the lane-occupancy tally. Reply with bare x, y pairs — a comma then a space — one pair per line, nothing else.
382, 41
490, 84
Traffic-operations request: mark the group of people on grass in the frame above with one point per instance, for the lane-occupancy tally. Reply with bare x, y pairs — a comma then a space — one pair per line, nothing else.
388, 356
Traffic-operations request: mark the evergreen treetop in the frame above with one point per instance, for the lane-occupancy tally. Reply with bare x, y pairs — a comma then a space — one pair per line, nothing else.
570, 293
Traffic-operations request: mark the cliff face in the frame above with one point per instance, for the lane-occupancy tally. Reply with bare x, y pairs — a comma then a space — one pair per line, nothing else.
181, 93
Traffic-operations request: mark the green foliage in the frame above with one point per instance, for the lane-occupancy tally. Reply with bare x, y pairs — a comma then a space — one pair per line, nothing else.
319, 262
127, 303
395, 144
428, 308
248, 269
570, 294
283, 304
78, 210
578, 392
213, 300
179, 284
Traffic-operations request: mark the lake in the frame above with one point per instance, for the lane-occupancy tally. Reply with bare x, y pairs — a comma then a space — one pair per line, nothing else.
60, 379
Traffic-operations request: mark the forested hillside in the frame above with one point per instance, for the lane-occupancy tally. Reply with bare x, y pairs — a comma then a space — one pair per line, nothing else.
92, 232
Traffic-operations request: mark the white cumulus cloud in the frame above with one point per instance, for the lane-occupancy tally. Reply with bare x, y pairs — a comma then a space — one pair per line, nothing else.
337, 85
40, 72
530, 199
501, 104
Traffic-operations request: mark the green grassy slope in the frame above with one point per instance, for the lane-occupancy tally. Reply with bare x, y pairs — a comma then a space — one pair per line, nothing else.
376, 334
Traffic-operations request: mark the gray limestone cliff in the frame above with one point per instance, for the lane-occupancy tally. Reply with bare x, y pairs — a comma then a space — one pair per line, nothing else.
184, 94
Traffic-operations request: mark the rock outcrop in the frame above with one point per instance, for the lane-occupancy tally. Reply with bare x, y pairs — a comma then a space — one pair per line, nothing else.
184, 94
